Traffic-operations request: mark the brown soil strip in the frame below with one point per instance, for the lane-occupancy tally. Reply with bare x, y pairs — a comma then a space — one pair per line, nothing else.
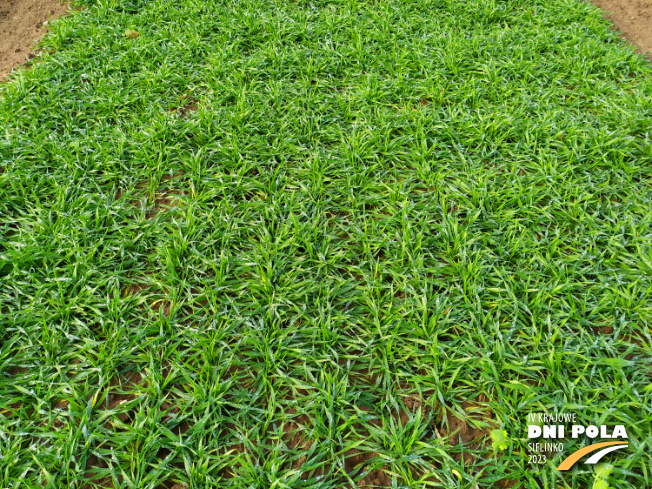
22, 23
634, 20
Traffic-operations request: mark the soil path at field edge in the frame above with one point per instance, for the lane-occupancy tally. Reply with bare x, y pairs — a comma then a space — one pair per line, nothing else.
634, 20
22, 23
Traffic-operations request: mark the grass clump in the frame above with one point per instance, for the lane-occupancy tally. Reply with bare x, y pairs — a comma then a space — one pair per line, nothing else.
323, 244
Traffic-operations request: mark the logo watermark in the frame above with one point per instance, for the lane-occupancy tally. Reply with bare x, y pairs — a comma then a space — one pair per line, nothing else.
550, 429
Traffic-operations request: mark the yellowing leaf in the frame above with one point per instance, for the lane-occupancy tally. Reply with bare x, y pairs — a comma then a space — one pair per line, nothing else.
500, 440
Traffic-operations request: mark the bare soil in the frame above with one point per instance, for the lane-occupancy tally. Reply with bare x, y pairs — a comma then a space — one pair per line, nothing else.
22, 23
634, 20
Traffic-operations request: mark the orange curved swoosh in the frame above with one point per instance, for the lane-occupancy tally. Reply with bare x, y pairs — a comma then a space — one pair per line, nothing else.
575, 456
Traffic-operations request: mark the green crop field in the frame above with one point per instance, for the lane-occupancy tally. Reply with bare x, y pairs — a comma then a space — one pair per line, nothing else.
324, 244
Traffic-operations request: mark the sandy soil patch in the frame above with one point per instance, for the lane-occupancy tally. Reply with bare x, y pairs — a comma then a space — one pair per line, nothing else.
22, 23
634, 20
